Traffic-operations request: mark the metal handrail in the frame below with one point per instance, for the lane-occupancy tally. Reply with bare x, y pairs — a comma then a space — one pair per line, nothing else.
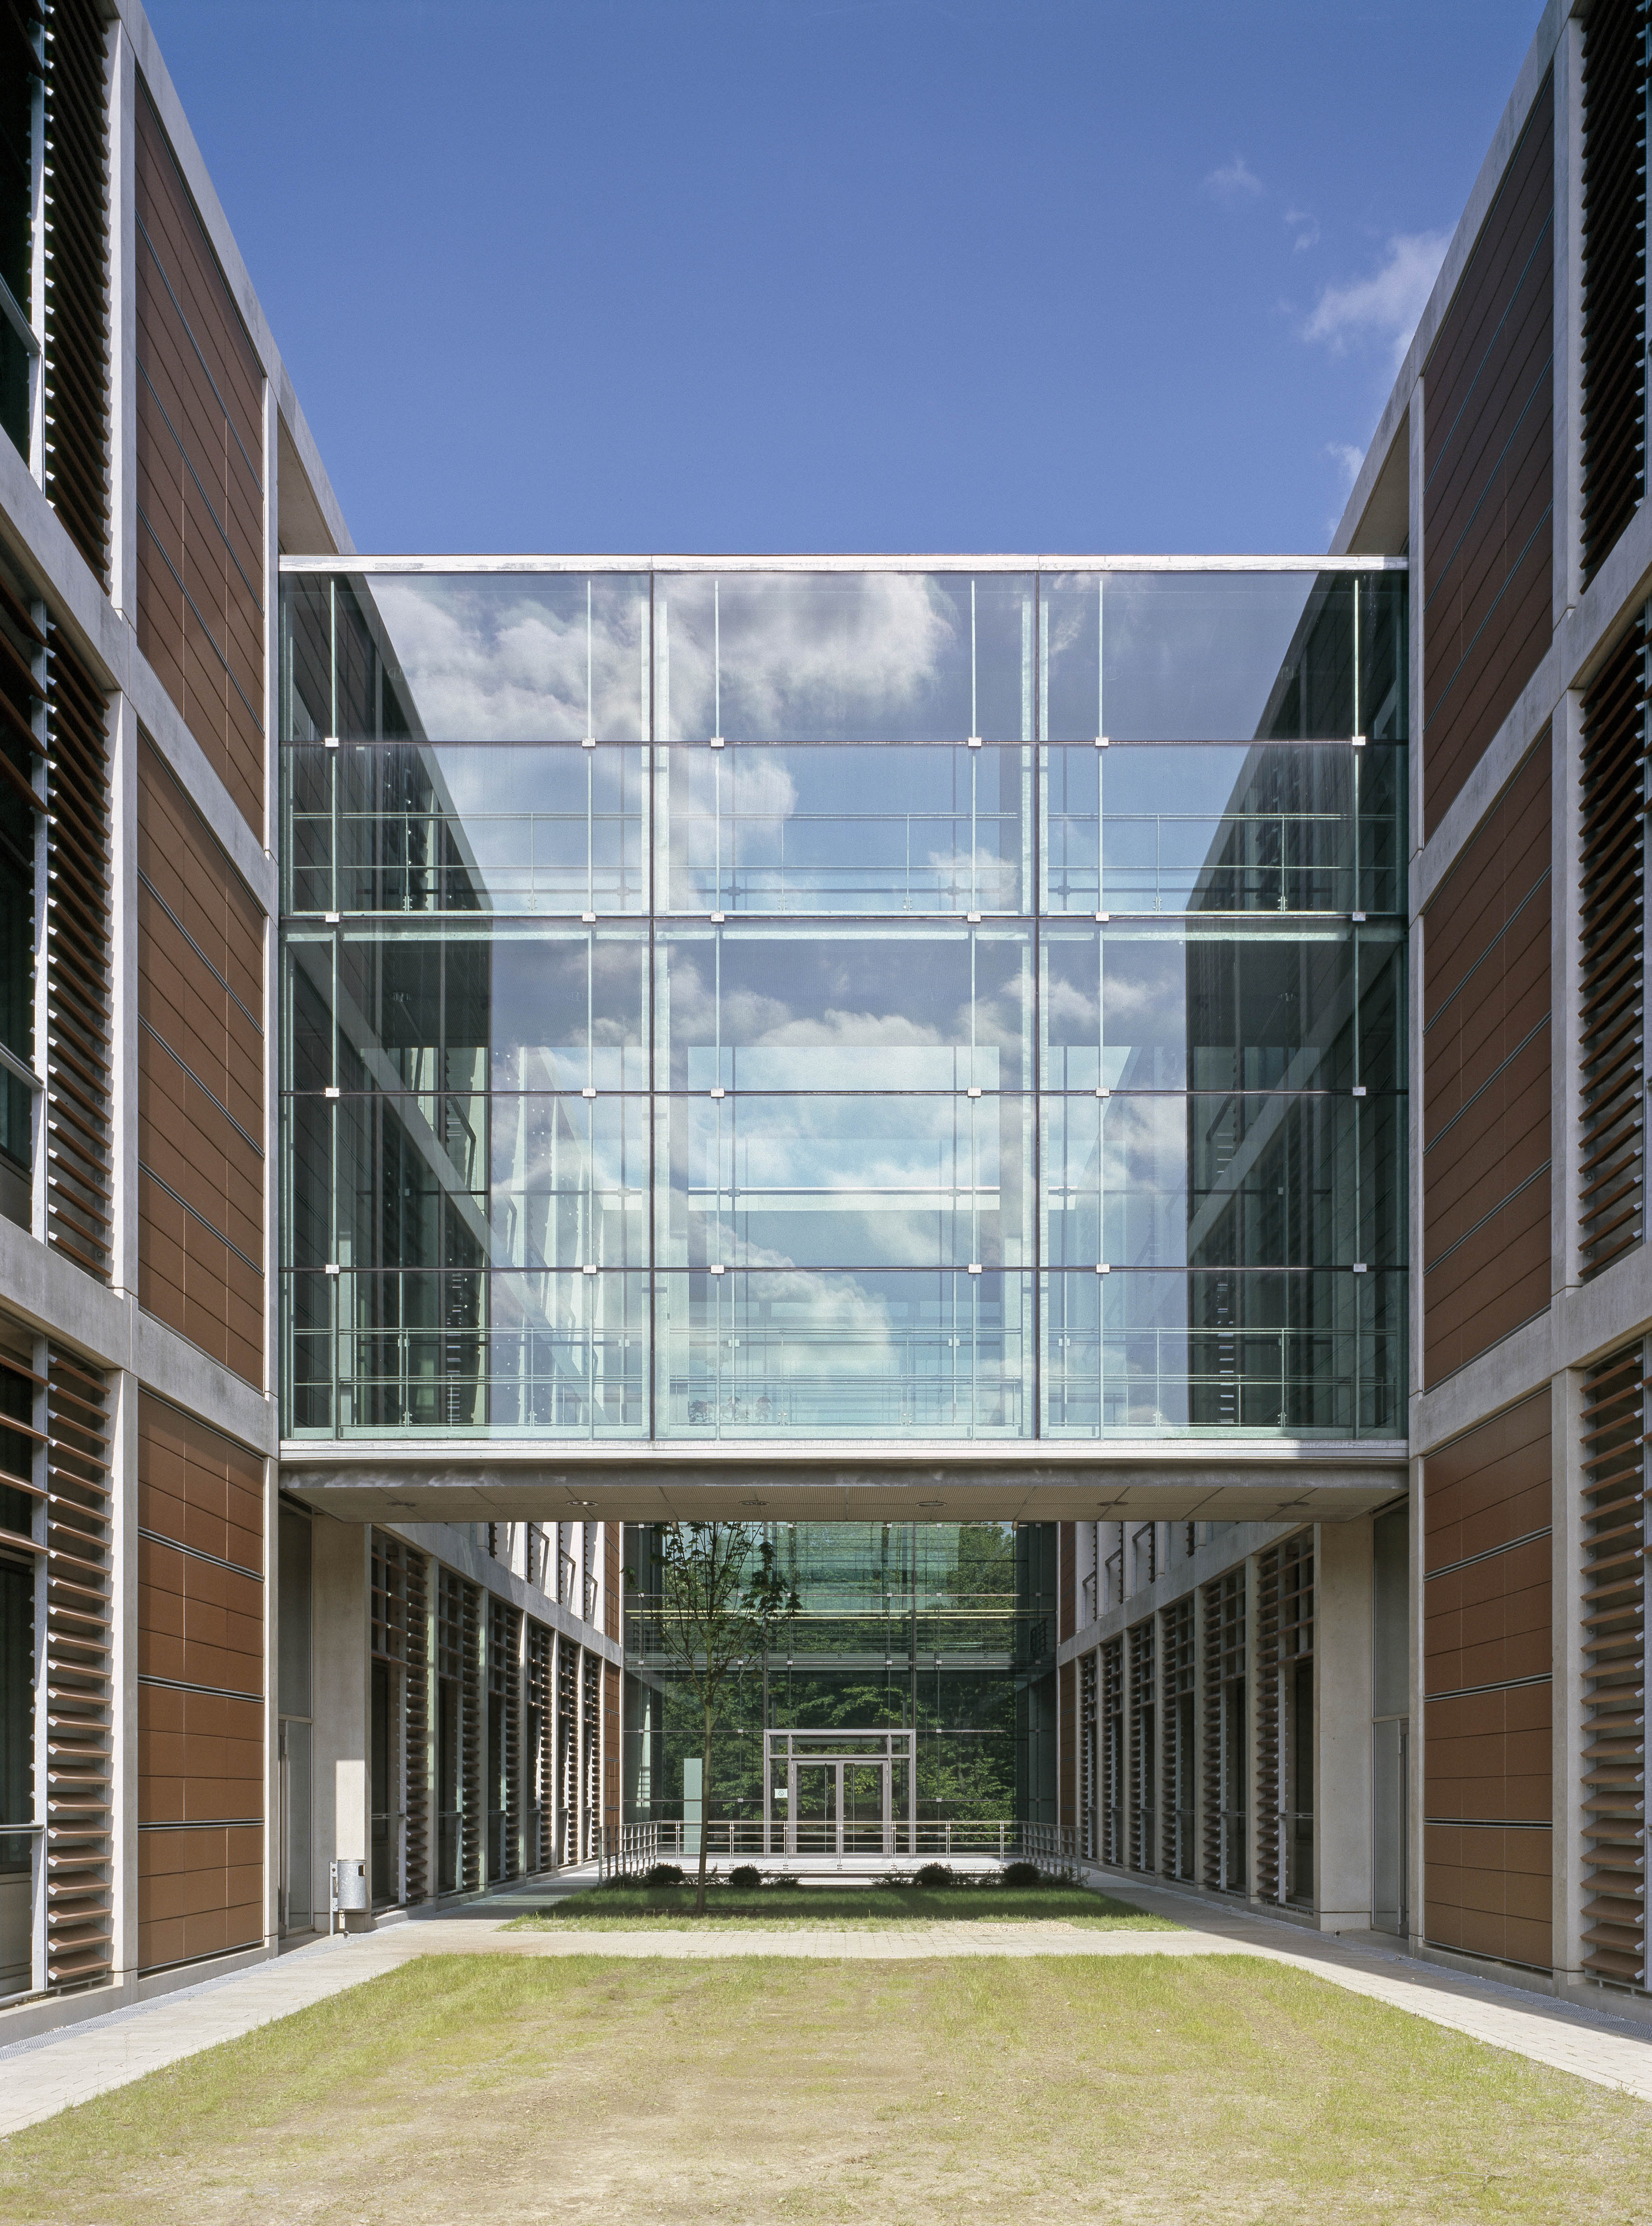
629, 1850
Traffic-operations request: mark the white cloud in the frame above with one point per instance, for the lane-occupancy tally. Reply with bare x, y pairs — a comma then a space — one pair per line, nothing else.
1347, 458
1305, 227
1235, 181
1387, 305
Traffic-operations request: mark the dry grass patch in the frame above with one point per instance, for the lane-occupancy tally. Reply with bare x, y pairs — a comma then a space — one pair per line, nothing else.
1160, 2088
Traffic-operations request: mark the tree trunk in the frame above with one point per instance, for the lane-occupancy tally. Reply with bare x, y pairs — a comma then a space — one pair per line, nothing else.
705, 1815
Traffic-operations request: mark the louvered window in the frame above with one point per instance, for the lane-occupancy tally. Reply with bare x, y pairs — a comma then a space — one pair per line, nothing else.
539, 1750
418, 1796
1284, 1681
1179, 1759
591, 1737
504, 1740
1225, 1740
1089, 1728
568, 1768
1144, 1759
388, 1634
1615, 85
449, 1729
79, 1742
1112, 1788
1615, 1544
22, 754
1612, 903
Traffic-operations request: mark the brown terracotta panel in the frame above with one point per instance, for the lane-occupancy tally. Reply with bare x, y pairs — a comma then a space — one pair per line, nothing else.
1489, 475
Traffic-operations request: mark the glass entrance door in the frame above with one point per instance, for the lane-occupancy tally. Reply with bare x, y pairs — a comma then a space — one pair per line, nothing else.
814, 1808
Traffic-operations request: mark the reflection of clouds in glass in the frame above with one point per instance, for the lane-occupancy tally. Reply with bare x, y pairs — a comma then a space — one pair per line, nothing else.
499, 657
880, 655
868, 644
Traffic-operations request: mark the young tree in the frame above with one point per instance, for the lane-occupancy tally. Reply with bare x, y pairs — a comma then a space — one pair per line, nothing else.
722, 1604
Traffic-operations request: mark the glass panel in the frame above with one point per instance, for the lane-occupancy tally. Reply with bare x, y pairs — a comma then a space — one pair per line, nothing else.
1318, 1354
1196, 657
505, 1179
1204, 1007
1199, 828
890, 1007
466, 656
293, 1611
828, 830
787, 1353
467, 827
467, 1352
844, 657
429, 1010
844, 1182
1236, 1179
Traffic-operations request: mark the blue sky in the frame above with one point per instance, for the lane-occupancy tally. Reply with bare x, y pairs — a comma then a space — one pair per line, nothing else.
941, 275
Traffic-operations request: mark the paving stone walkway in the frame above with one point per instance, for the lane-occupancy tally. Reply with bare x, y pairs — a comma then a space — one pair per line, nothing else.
53, 2071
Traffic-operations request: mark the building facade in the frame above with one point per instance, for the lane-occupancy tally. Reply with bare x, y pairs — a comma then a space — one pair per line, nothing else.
915, 1053
197, 1676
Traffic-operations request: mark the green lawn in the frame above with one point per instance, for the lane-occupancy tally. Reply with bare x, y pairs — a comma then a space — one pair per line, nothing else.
1159, 2088
629, 1908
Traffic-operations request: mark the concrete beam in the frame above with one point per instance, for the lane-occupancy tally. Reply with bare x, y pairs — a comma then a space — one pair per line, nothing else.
432, 1484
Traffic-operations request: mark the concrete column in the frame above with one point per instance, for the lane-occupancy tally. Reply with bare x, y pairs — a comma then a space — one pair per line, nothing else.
1566, 1640
1342, 1725
1566, 987
341, 1791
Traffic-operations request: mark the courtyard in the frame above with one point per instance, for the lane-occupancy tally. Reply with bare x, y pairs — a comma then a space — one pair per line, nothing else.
866, 2073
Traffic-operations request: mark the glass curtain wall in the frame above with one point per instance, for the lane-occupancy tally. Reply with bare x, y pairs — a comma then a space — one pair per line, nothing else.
946, 1629
875, 1004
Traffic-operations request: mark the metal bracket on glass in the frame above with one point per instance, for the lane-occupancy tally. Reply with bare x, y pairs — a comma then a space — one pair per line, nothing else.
972, 1093
19, 1069
720, 1091
718, 917
1357, 916
331, 743
973, 742
1359, 1266
1359, 1090
1103, 917
1100, 741
588, 1091
974, 1268
589, 1268
331, 918
1357, 742
716, 1270
332, 1089
1104, 1268
973, 919
588, 919
1103, 1090
333, 1269
587, 741
716, 741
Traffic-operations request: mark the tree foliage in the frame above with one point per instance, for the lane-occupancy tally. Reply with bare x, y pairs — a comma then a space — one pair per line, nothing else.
723, 1602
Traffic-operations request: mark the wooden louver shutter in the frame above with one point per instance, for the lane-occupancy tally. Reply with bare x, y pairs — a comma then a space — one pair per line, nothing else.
1177, 1763
473, 1819
1612, 1008
1614, 1667
79, 1673
77, 275
417, 1796
1268, 1760
1143, 1665
1613, 367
